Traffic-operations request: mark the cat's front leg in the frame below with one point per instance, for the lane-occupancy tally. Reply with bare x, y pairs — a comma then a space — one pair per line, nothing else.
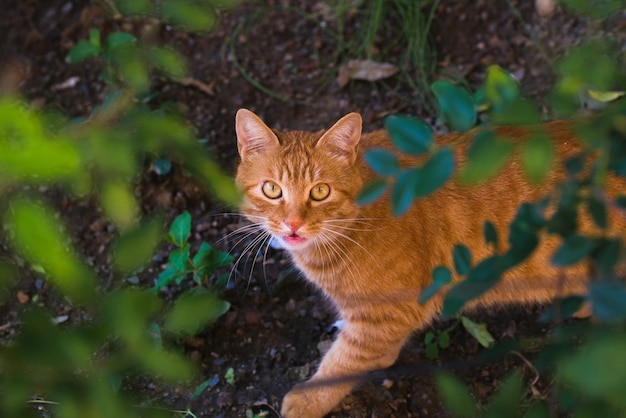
358, 350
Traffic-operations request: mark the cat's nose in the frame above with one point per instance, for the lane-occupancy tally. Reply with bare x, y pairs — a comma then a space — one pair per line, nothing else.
293, 224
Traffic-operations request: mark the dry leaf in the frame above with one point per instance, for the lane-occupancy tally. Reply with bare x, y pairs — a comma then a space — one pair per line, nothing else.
365, 70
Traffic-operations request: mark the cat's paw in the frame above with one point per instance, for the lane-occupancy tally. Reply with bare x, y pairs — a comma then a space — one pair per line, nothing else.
301, 404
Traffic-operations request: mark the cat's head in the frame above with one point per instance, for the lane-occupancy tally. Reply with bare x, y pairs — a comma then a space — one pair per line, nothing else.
299, 186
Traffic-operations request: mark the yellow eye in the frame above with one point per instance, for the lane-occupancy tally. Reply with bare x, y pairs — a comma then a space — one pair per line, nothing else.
320, 191
271, 190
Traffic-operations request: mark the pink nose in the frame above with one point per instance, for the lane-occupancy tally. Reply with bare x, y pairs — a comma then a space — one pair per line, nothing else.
293, 224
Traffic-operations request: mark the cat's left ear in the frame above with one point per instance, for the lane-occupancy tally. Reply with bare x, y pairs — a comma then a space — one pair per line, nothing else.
342, 138
253, 135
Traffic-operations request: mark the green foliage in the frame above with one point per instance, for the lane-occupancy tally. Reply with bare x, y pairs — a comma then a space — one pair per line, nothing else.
181, 265
456, 106
83, 365
590, 380
434, 343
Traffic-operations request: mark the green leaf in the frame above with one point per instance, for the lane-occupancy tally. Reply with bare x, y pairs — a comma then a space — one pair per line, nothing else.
383, 162
201, 388
478, 331
82, 51
456, 106
441, 277
403, 191
191, 17
462, 259
162, 166
229, 376
608, 254
500, 87
486, 156
193, 310
538, 410
518, 112
455, 396
119, 203
431, 350
573, 249
444, 339
134, 7
371, 192
482, 278
169, 276
36, 235
409, 134
506, 401
179, 259
436, 172
538, 156
598, 212
566, 308
94, 36
117, 39
597, 369
608, 300
491, 234
209, 259
181, 229
169, 62
133, 249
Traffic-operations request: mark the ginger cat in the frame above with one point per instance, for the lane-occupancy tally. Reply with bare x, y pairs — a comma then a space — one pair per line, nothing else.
301, 188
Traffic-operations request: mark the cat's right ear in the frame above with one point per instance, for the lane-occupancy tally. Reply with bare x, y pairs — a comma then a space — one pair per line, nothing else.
253, 135
343, 137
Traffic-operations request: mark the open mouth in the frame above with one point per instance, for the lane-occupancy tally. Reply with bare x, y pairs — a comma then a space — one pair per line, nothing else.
293, 239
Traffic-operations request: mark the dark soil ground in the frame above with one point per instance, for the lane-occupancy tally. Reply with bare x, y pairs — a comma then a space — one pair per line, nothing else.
274, 332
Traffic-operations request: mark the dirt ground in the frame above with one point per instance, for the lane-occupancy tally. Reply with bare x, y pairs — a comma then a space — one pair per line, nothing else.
273, 334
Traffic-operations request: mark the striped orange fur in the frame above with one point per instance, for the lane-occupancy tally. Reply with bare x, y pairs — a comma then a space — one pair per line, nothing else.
301, 188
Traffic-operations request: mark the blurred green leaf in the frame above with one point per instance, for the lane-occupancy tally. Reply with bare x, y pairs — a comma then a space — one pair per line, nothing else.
608, 300
167, 365
383, 162
435, 173
538, 156
486, 156
193, 310
478, 331
462, 259
136, 246
595, 8
455, 105
134, 7
507, 399
371, 192
229, 376
37, 236
598, 211
455, 396
119, 203
82, 51
208, 259
491, 234
444, 339
565, 308
608, 254
168, 61
517, 112
441, 277
500, 87
409, 134
403, 191
573, 249
597, 369
188, 15
181, 229
117, 39
480, 279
